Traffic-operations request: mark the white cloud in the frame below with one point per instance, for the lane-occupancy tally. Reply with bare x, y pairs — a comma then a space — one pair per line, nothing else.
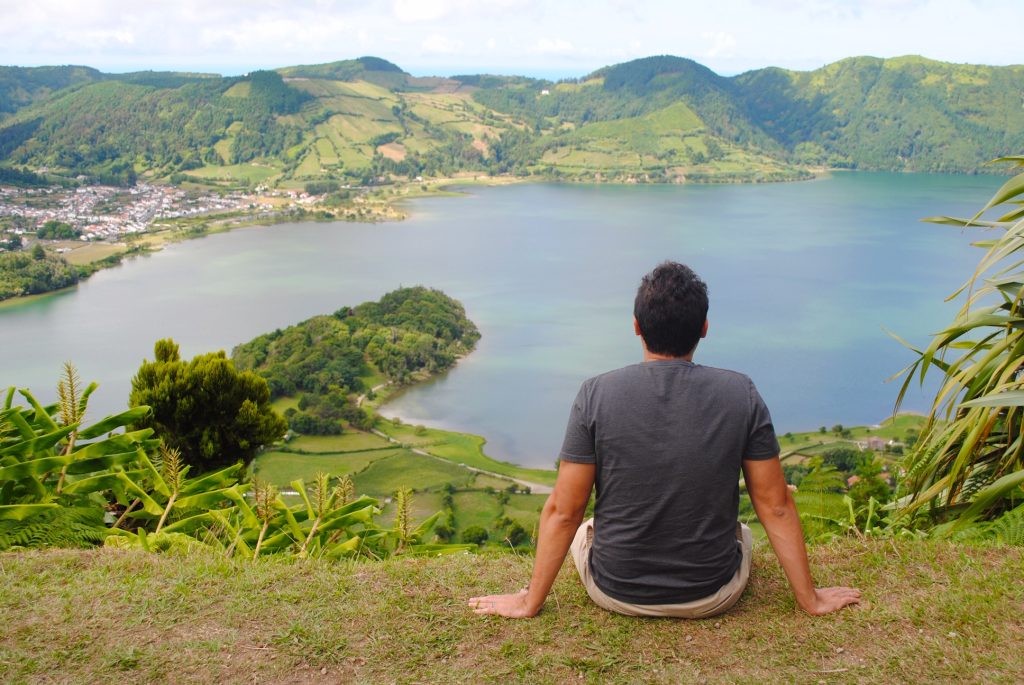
552, 46
570, 37
418, 11
721, 44
441, 45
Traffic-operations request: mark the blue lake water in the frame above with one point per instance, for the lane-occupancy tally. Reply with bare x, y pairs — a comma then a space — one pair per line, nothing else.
805, 278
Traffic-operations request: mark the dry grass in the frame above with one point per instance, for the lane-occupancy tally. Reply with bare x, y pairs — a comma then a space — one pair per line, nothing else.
933, 612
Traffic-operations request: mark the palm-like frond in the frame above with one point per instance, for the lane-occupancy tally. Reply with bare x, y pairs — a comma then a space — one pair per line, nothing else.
973, 436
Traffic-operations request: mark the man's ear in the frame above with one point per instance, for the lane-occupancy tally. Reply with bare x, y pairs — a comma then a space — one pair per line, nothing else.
636, 326
704, 330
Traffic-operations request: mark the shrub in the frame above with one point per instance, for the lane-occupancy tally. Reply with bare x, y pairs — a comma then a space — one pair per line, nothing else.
474, 535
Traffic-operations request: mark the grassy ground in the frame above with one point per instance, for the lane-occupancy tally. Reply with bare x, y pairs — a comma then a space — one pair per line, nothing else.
798, 445
384, 476
349, 441
462, 448
932, 612
281, 468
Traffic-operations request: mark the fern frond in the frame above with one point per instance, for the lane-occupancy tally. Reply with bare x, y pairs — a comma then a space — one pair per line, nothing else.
63, 527
1009, 528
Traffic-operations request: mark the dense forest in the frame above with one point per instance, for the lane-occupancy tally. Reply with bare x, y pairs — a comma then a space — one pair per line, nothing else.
323, 360
656, 119
32, 272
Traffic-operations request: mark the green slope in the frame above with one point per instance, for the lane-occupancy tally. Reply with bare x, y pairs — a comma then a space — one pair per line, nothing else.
654, 119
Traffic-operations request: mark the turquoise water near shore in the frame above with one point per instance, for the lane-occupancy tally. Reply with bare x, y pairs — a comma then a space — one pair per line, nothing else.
804, 280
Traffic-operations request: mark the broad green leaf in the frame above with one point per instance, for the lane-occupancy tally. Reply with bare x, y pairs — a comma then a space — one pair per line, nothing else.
105, 462
985, 499
1013, 398
33, 468
215, 480
20, 512
425, 526
37, 444
1008, 191
102, 482
113, 422
42, 415
210, 499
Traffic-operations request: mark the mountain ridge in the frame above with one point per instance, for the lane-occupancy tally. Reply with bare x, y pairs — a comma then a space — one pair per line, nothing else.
366, 119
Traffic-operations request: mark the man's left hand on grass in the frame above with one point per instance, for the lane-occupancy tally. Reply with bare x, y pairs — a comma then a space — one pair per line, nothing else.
510, 606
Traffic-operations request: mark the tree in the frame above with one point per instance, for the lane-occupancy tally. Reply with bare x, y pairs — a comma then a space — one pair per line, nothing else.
822, 477
845, 459
213, 413
474, 535
516, 534
870, 484
794, 473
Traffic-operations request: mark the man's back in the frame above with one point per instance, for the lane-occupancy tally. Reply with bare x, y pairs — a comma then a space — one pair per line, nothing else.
664, 442
668, 438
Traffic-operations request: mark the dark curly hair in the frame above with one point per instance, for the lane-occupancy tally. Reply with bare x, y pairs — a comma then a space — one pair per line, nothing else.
671, 306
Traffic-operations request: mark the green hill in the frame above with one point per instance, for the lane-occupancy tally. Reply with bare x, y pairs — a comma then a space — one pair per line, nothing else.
21, 86
906, 113
654, 119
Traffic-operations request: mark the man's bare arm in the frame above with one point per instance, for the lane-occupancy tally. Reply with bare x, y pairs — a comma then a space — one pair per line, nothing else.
777, 512
561, 516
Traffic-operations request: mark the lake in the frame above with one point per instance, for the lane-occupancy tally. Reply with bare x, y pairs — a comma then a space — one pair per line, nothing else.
805, 279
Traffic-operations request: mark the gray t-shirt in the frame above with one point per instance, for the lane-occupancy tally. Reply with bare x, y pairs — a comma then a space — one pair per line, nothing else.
668, 439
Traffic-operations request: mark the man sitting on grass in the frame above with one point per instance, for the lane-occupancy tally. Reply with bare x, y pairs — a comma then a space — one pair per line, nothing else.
664, 442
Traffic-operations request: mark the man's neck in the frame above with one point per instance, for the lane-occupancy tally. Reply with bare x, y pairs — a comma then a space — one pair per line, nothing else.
655, 357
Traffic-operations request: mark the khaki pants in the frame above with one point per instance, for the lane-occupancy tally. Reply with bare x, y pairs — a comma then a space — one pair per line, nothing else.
711, 605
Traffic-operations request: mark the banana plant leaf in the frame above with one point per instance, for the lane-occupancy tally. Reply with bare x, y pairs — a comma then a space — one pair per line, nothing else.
212, 498
42, 414
103, 463
20, 512
34, 468
425, 527
347, 548
113, 422
105, 481
34, 444
215, 480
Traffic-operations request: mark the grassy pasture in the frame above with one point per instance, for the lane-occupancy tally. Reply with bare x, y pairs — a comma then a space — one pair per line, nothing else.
405, 469
86, 253
475, 509
281, 468
325, 149
463, 448
351, 441
257, 173
932, 612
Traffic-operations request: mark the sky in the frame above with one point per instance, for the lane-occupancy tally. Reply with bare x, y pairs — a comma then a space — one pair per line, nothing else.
554, 39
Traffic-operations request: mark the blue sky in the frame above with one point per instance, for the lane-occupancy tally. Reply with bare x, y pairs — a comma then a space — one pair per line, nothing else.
551, 39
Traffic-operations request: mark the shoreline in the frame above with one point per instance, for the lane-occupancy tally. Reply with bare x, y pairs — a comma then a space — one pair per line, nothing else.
156, 240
